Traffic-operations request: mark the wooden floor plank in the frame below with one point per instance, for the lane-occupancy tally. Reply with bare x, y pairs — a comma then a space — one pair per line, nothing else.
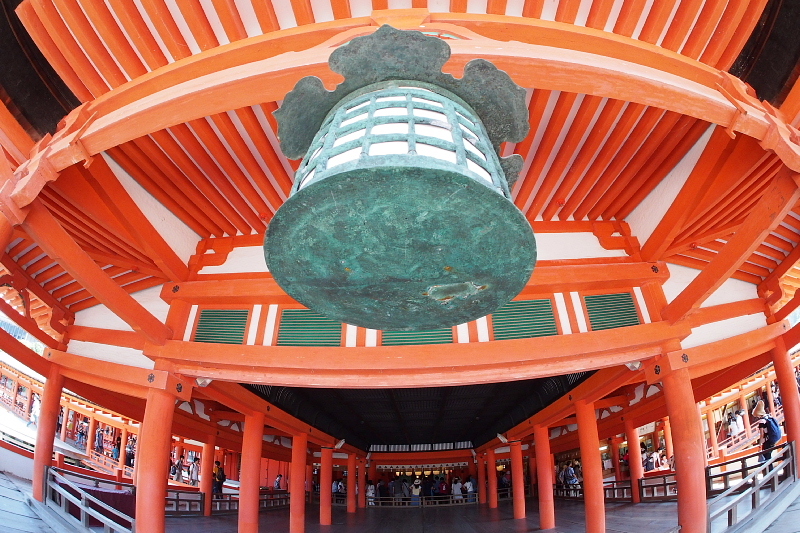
15, 507
620, 518
15, 515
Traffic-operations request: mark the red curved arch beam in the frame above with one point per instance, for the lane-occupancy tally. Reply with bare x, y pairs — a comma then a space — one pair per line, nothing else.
265, 69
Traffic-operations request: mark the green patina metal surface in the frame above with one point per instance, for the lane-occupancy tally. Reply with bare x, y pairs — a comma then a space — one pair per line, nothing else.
400, 248
400, 218
391, 54
361, 112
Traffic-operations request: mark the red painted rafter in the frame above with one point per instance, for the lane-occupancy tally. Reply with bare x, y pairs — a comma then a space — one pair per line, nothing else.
116, 198
41, 225
680, 140
160, 185
661, 170
777, 201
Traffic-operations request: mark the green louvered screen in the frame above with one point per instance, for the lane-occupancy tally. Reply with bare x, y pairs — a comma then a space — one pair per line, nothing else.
607, 311
226, 326
303, 327
433, 336
522, 319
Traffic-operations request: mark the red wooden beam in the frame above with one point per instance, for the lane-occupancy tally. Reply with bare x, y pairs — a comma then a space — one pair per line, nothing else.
690, 195
117, 199
550, 277
23, 354
768, 213
59, 245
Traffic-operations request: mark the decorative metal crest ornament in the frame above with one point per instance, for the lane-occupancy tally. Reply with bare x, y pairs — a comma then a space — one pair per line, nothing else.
401, 217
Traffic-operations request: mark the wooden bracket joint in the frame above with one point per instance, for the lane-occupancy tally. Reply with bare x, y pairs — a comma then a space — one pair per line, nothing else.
32, 178
781, 140
656, 368
215, 254
8, 207
738, 113
609, 241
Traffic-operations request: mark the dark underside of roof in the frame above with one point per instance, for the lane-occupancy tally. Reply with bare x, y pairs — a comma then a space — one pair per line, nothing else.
29, 86
769, 60
474, 413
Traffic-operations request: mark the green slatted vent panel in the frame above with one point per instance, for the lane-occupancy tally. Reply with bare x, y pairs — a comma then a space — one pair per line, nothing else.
303, 327
523, 319
225, 326
607, 311
403, 338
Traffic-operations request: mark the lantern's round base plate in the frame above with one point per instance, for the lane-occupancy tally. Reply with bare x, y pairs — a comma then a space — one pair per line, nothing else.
400, 248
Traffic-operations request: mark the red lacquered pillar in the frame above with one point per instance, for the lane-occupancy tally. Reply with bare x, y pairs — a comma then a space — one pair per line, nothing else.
690, 450
325, 486
491, 471
351, 483
297, 484
712, 433
746, 415
790, 397
531, 467
362, 496
123, 439
90, 436
252, 443
544, 476
207, 472
152, 461
668, 437
46, 429
634, 458
517, 479
593, 494
482, 478
615, 459
64, 425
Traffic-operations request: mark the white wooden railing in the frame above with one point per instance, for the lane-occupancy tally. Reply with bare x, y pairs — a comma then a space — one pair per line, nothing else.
760, 484
69, 499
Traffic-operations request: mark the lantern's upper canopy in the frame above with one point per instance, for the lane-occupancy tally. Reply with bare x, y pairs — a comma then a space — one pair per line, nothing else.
391, 54
400, 217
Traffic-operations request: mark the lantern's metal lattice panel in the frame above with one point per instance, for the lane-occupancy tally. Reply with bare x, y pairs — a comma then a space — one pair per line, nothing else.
402, 121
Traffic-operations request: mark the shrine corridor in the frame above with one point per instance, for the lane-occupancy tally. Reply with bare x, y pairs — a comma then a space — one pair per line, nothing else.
620, 518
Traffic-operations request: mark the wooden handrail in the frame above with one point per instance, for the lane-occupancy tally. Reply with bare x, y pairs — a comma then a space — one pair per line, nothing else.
56, 483
778, 473
94, 479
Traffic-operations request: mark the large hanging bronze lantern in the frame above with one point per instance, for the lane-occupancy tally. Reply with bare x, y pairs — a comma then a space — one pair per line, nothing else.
400, 217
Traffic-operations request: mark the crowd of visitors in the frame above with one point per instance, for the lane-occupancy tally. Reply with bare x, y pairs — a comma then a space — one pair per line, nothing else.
569, 473
400, 491
184, 471
107, 439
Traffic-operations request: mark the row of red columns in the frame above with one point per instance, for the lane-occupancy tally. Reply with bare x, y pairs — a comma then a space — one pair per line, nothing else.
684, 425
156, 439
